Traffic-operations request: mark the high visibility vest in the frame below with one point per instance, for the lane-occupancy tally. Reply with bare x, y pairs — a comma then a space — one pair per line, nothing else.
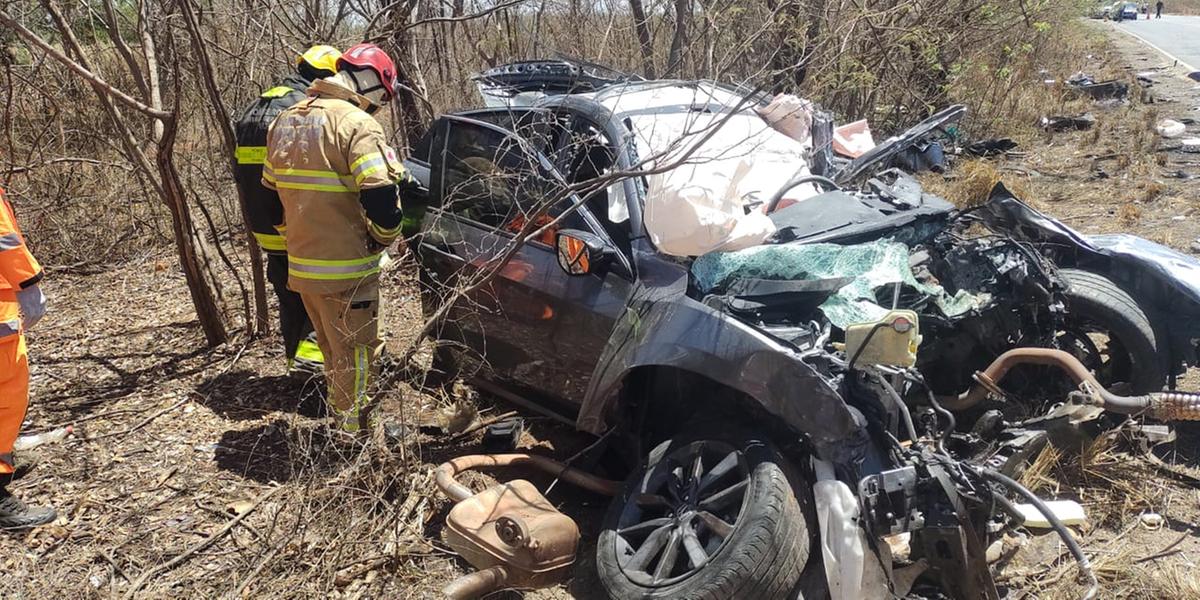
262, 208
18, 269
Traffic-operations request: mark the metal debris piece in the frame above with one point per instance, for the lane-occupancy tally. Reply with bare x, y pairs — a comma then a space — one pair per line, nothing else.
1068, 123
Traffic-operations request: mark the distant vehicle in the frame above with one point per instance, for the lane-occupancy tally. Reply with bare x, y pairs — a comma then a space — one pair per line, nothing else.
1103, 11
1126, 11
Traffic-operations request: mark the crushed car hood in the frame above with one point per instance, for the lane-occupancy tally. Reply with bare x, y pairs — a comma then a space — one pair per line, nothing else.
1004, 212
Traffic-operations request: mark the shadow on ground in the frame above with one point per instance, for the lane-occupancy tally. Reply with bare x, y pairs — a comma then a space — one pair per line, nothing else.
243, 395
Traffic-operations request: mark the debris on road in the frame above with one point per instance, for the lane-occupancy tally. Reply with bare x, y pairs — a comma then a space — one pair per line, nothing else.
1170, 128
1104, 90
1068, 123
510, 531
1152, 521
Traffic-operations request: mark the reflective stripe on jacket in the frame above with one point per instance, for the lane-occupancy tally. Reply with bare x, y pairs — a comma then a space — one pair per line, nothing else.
18, 269
263, 208
321, 153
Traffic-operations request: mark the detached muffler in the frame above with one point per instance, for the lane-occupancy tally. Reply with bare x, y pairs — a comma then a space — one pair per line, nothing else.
1163, 406
510, 531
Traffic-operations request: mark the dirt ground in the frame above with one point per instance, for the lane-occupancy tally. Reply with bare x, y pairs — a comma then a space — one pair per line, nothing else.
195, 472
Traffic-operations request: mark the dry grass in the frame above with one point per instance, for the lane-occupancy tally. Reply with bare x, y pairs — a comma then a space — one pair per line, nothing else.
1110, 483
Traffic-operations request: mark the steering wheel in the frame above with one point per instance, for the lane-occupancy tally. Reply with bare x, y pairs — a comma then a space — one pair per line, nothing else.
773, 203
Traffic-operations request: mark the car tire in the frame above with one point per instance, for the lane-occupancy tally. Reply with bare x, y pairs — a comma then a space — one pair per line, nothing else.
764, 552
1094, 300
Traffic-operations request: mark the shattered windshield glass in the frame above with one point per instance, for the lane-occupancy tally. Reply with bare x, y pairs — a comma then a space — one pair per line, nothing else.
871, 266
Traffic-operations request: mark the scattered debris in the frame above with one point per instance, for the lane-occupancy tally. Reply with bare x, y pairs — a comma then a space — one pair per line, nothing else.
1190, 144
1170, 128
989, 147
1194, 75
1080, 79
1152, 521
853, 139
29, 442
1067, 511
1069, 123
504, 435
1105, 90
510, 531
921, 157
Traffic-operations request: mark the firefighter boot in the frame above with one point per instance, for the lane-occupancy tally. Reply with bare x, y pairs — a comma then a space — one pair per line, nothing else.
15, 514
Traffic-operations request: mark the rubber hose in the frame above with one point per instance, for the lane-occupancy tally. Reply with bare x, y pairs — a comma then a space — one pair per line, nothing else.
458, 492
1085, 566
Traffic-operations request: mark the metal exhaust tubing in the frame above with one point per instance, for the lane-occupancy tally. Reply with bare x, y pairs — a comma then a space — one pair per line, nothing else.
1163, 406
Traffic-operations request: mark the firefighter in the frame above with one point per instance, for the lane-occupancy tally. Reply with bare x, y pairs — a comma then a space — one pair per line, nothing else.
262, 206
340, 182
22, 305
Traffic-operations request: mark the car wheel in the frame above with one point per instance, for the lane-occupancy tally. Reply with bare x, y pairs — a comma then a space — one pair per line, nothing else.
1110, 333
707, 517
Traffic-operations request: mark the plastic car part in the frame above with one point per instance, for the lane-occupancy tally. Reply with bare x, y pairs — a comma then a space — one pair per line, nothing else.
504, 435
892, 340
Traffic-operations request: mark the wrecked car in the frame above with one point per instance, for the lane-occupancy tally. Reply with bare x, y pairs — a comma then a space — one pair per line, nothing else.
815, 381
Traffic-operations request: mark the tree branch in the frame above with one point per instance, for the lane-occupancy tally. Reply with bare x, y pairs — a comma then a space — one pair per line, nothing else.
79, 70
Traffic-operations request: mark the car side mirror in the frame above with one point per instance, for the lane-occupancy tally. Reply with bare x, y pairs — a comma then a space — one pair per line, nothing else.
582, 252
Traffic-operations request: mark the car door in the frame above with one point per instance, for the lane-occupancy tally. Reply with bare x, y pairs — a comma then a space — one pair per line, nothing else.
525, 324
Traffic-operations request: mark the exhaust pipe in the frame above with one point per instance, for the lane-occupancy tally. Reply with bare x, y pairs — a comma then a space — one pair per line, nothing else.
477, 584
459, 492
1164, 406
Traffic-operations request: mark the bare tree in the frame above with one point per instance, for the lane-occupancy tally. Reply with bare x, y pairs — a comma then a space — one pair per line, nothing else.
163, 176
683, 14
642, 26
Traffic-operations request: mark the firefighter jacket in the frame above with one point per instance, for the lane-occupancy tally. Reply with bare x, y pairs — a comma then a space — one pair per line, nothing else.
326, 157
262, 206
18, 269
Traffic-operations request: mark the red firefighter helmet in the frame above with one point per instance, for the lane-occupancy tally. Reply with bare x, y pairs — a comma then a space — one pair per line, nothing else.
372, 57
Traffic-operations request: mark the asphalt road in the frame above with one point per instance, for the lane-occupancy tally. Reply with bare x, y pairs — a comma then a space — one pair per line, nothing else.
1176, 35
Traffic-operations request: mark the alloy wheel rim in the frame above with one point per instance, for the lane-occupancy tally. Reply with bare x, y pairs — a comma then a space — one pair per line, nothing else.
683, 513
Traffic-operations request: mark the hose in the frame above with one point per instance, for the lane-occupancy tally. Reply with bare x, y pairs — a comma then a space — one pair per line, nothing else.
1167, 406
458, 492
477, 584
1085, 566
773, 202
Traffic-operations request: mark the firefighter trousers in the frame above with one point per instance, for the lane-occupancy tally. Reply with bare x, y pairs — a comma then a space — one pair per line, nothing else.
14, 385
299, 340
347, 325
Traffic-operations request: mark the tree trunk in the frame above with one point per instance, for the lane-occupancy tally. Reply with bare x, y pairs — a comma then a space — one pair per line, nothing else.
683, 11
642, 27
167, 185
788, 63
409, 98
259, 321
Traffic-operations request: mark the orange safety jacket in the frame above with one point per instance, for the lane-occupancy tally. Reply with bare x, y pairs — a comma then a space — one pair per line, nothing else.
18, 269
